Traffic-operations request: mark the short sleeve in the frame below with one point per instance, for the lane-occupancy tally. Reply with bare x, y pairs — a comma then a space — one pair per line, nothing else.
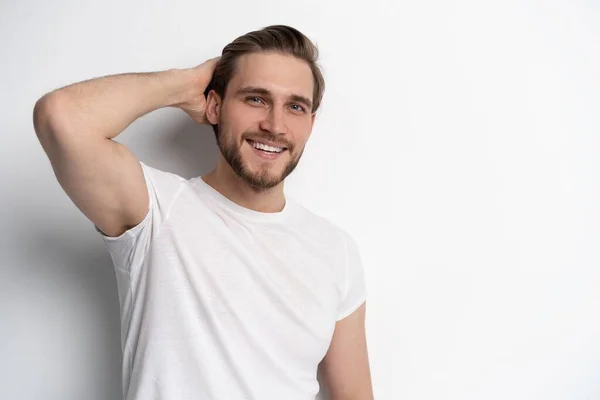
130, 248
355, 285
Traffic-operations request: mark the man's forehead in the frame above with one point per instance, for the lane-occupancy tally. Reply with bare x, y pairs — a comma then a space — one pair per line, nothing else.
280, 74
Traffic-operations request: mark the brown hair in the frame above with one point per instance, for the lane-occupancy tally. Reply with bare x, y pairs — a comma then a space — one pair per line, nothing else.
275, 38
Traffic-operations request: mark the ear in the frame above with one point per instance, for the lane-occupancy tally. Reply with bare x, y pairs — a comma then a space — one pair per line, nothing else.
312, 122
213, 107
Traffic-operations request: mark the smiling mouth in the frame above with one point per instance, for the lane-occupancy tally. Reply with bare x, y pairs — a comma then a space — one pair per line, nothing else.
266, 152
265, 148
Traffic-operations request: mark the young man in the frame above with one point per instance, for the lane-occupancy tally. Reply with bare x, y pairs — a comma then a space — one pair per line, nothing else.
228, 288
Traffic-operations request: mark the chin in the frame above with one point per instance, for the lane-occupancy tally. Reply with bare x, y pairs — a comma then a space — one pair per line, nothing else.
262, 178
257, 172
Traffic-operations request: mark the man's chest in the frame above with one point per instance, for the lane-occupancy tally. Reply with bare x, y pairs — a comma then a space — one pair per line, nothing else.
245, 282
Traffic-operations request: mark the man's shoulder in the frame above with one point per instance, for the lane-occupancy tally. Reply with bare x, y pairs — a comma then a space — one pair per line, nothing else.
317, 222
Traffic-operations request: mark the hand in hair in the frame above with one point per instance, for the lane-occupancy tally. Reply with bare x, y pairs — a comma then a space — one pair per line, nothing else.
195, 106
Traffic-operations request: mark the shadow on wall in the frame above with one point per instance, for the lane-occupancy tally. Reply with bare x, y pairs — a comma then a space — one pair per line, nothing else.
189, 149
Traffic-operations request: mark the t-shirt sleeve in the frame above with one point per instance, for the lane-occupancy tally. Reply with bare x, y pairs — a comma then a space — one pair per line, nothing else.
130, 248
355, 285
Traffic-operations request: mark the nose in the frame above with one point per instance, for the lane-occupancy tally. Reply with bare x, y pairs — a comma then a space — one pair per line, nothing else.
274, 121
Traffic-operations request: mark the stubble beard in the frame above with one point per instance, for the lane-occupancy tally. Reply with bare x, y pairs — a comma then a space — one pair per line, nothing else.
263, 179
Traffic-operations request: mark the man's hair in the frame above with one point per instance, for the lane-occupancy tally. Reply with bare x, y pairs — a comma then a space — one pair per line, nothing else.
280, 39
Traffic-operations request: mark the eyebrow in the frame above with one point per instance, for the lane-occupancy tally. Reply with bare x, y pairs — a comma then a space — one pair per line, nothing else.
267, 93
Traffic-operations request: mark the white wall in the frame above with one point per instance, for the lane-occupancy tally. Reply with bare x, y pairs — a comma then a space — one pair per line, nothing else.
458, 143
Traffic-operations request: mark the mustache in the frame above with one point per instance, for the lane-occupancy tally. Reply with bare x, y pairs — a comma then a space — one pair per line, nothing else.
256, 136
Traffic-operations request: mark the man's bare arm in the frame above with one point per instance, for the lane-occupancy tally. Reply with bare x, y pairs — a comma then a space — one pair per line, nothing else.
75, 126
346, 365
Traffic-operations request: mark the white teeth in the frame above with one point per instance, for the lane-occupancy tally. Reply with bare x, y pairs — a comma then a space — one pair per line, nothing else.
266, 147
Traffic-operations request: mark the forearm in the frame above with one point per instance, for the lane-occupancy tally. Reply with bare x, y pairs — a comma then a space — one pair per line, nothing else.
105, 106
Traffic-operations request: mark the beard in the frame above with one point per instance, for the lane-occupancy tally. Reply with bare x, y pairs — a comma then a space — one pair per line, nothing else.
265, 178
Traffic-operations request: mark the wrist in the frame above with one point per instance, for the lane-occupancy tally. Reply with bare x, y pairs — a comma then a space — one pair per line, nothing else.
181, 86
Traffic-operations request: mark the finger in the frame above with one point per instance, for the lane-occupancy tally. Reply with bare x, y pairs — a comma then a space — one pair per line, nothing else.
212, 62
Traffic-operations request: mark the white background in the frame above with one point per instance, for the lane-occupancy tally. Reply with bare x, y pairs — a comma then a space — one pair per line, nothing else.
458, 143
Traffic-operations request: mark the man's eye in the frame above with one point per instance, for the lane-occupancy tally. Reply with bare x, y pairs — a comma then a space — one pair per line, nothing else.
254, 99
298, 107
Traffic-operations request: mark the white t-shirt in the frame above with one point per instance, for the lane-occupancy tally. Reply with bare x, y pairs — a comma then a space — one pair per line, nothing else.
222, 302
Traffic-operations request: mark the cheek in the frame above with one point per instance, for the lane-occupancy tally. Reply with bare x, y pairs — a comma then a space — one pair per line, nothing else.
301, 130
232, 125
241, 114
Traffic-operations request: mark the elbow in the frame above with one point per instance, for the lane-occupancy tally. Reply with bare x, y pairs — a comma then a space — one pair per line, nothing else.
44, 112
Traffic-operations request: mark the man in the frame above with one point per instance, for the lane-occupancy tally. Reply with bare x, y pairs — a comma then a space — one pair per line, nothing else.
228, 288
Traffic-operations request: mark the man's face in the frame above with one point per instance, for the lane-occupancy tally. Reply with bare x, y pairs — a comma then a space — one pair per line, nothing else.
268, 101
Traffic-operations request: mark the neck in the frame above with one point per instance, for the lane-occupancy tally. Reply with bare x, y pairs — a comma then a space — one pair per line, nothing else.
224, 180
